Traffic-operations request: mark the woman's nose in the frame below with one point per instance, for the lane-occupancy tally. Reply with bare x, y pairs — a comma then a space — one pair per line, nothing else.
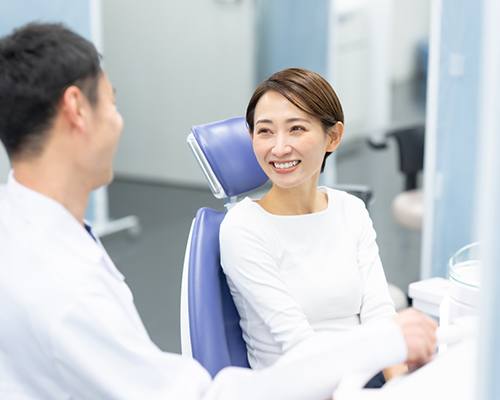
281, 146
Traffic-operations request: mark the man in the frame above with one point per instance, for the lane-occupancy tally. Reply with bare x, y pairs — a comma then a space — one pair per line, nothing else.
68, 325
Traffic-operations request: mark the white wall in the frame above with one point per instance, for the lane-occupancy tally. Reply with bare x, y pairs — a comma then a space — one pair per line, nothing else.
360, 64
373, 43
411, 22
175, 64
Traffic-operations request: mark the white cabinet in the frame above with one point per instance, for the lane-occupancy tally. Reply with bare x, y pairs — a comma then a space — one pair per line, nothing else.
359, 64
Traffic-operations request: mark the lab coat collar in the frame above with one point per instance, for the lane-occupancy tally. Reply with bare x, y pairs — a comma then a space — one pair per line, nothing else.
54, 220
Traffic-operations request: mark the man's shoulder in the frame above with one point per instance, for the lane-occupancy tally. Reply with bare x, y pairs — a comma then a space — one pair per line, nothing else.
37, 269
3, 197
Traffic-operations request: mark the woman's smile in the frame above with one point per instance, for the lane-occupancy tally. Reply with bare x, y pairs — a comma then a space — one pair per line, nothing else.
285, 167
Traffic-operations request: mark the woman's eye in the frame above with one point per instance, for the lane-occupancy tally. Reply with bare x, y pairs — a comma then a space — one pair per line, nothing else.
263, 131
298, 128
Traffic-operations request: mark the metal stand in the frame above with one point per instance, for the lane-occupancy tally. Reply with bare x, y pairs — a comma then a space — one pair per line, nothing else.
103, 226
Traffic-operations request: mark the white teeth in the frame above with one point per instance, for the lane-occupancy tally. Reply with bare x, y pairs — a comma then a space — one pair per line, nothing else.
285, 165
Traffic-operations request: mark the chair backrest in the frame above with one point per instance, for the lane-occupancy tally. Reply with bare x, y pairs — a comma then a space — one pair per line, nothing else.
216, 338
411, 142
210, 330
224, 151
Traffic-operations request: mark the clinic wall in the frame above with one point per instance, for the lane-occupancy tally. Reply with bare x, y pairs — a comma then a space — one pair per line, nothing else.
291, 33
175, 64
410, 24
76, 14
452, 134
488, 199
295, 33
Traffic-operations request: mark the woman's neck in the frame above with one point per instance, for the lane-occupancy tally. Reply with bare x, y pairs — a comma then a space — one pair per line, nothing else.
294, 201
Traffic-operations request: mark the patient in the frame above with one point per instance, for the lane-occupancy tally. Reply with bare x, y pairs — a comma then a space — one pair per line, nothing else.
302, 259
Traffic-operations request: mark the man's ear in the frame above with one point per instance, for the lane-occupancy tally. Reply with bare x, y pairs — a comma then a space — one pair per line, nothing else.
335, 134
73, 107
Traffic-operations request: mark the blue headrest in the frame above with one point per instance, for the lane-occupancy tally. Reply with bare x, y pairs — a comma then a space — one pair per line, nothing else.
228, 156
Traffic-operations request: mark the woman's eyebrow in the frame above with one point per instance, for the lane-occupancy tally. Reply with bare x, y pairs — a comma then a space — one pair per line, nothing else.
297, 119
264, 121
289, 120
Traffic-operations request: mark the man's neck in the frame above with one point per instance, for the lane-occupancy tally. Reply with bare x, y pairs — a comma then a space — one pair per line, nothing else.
55, 182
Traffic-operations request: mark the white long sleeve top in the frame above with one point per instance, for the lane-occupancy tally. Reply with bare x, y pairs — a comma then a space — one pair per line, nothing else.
69, 328
294, 276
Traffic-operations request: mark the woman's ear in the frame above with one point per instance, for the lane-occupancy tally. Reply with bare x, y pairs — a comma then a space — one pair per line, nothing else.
335, 134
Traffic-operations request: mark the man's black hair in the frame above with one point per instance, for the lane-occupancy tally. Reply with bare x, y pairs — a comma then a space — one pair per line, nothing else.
38, 61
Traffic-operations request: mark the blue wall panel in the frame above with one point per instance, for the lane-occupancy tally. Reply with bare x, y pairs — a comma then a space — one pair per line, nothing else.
456, 134
75, 14
291, 33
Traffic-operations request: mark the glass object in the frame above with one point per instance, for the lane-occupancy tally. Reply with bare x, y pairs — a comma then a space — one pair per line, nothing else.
464, 266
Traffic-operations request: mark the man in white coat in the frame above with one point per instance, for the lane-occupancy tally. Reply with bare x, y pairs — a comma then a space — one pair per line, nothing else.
68, 325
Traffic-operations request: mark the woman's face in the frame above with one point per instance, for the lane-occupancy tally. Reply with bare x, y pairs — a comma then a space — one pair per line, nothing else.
289, 143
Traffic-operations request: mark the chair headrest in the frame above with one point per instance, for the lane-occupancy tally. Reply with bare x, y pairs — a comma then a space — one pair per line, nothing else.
224, 151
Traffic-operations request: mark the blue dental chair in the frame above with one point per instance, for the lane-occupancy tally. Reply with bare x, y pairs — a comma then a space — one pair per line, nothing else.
210, 330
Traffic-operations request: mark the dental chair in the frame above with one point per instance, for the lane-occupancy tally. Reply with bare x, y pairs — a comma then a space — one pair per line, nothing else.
210, 330
411, 143
408, 206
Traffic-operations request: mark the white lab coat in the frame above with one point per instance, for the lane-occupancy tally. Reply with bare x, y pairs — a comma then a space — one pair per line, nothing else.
69, 328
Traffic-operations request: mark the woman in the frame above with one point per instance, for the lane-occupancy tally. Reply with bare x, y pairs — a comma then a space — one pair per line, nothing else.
302, 259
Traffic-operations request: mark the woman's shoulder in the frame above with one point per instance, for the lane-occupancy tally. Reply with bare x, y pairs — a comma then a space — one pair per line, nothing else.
243, 222
245, 213
345, 200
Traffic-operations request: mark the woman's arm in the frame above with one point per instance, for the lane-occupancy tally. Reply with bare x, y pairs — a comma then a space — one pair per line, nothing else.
248, 258
376, 301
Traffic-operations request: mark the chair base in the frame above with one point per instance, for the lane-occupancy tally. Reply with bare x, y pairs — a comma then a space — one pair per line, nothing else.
408, 209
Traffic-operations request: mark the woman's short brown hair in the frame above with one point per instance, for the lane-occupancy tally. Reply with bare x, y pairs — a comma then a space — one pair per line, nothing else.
306, 90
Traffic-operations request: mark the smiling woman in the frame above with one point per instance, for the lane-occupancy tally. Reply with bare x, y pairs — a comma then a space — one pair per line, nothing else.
302, 259
296, 121
291, 144
307, 91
